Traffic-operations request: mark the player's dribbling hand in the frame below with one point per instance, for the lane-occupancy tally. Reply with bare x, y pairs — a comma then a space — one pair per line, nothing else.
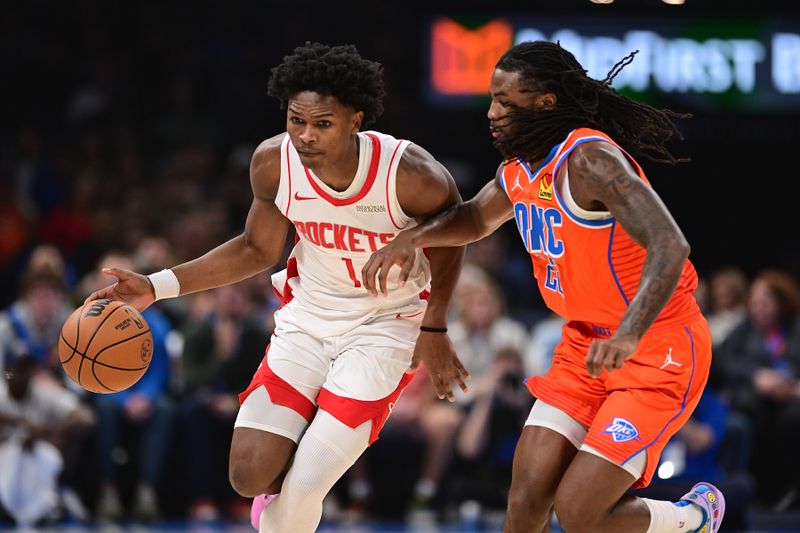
399, 251
131, 288
437, 352
609, 354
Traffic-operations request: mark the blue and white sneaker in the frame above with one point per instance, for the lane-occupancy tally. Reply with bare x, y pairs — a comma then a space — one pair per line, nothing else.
711, 501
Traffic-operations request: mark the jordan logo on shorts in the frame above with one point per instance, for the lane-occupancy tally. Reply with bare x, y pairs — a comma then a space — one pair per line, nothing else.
668, 360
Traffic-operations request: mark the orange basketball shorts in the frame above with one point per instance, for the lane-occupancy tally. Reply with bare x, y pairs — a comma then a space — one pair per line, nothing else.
638, 407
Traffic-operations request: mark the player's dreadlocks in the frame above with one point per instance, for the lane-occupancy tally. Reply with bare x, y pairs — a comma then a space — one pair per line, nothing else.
337, 71
581, 102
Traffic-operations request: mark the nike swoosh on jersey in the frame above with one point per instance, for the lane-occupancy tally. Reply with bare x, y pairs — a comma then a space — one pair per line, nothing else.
301, 198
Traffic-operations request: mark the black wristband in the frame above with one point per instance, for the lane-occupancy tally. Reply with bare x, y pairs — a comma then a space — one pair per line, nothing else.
432, 330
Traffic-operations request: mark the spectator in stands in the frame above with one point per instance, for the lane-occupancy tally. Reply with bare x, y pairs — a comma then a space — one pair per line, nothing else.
728, 290
42, 431
759, 364
32, 324
487, 438
144, 411
221, 351
480, 328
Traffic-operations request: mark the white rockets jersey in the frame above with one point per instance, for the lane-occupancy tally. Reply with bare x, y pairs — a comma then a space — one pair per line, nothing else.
338, 231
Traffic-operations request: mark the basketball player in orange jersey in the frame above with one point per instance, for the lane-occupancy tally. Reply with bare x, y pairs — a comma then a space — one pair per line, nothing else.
339, 358
609, 258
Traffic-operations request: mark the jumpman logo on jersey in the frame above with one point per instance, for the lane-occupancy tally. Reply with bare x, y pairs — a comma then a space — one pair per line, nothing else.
668, 360
517, 184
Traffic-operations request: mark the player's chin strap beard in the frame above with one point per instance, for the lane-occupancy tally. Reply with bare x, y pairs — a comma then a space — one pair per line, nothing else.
530, 134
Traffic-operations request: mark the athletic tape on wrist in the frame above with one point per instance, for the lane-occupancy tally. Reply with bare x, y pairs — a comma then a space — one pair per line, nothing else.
165, 284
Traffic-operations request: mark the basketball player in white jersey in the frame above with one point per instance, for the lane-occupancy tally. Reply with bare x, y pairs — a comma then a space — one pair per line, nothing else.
339, 357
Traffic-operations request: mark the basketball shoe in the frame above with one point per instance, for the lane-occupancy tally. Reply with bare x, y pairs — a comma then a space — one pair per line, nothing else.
259, 502
711, 501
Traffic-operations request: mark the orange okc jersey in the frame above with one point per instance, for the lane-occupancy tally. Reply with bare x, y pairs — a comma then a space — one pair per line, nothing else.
587, 266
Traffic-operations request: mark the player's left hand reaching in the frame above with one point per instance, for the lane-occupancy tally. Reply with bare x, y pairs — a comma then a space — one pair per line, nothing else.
436, 351
400, 251
610, 354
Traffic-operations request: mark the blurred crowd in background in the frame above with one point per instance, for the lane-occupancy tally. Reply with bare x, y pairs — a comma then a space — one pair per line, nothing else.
160, 449
132, 150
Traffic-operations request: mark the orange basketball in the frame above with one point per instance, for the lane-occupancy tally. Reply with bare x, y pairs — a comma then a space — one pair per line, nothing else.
105, 346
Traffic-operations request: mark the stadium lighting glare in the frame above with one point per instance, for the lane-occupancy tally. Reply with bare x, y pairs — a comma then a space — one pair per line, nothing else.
602, 1
666, 470
674, 2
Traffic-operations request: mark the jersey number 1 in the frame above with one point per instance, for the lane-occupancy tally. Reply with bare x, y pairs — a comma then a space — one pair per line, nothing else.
352, 271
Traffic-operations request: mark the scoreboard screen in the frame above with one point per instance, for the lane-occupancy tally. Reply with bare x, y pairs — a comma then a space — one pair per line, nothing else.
742, 65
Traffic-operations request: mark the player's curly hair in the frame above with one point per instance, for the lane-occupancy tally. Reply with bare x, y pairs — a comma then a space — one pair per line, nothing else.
544, 66
337, 71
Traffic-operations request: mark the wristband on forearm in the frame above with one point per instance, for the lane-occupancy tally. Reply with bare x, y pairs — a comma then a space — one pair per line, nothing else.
165, 284
432, 330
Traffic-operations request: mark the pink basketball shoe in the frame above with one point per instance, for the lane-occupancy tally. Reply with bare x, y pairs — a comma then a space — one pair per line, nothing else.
259, 502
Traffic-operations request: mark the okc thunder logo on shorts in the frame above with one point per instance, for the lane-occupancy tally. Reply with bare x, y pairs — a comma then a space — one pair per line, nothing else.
621, 430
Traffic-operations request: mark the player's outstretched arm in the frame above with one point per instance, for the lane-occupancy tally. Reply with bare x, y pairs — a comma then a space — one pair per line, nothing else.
458, 225
132, 288
424, 189
259, 247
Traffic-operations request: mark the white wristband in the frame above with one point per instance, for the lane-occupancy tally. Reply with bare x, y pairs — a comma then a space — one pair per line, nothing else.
165, 284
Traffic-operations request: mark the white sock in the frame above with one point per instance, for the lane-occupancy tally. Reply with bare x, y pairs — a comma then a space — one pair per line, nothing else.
323, 455
669, 517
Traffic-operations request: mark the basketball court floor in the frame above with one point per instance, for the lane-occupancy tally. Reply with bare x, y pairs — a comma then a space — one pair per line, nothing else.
767, 523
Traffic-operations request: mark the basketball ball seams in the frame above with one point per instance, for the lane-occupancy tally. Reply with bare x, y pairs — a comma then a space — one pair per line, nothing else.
112, 363
109, 389
97, 355
77, 340
96, 329
95, 361
71, 347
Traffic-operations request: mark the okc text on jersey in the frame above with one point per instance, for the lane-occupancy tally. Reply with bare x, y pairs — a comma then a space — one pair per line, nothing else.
536, 226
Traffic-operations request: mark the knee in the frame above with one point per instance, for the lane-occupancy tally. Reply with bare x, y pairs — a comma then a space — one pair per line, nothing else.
529, 499
248, 481
252, 473
258, 461
572, 516
245, 480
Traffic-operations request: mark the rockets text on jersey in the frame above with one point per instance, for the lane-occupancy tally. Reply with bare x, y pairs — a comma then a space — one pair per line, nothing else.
337, 231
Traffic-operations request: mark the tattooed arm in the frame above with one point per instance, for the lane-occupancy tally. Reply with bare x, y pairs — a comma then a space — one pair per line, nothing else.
602, 179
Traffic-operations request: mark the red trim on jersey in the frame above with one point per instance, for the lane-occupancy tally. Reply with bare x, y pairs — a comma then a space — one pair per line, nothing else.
285, 295
355, 412
371, 174
280, 392
425, 295
388, 174
289, 173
